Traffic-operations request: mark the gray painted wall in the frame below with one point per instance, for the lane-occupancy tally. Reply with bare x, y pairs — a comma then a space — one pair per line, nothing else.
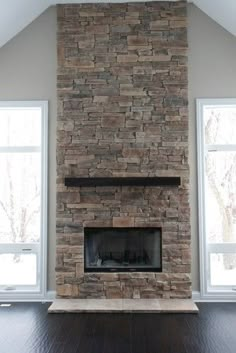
212, 74
28, 71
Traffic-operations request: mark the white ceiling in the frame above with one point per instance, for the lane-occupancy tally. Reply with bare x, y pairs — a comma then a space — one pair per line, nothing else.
15, 15
222, 11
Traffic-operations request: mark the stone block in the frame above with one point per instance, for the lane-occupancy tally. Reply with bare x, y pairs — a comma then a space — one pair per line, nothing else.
67, 290
68, 197
113, 293
100, 99
137, 40
130, 90
154, 58
123, 222
97, 29
91, 14
125, 28
131, 58
113, 120
159, 24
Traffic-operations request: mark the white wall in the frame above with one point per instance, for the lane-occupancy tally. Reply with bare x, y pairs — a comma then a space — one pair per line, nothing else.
28, 71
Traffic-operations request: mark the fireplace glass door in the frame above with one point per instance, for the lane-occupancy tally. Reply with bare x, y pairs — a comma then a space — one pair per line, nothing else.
122, 249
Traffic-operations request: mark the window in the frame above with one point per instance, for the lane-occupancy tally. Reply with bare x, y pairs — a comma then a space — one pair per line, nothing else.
216, 137
23, 198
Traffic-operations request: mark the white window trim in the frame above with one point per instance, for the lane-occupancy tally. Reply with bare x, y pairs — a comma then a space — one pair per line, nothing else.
41, 293
225, 292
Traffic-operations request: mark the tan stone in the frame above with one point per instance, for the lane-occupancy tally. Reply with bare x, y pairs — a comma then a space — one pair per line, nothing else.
137, 40
86, 44
109, 277
123, 222
91, 14
159, 24
79, 272
68, 197
79, 63
113, 293
129, 160
60, 55
150, 58
178, 24
67, 290
97, 29
86, 205
129, 90
100, 99
113, 120
134, 152
127, 58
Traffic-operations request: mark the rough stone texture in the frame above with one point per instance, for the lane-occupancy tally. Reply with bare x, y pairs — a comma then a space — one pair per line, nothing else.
122, 111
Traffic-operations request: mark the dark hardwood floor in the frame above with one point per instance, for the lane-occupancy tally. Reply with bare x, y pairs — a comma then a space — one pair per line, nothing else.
27, 328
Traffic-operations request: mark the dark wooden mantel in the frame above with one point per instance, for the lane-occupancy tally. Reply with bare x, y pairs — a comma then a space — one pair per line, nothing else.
123, 181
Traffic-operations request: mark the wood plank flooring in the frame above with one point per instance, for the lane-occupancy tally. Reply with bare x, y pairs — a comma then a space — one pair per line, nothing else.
28, 328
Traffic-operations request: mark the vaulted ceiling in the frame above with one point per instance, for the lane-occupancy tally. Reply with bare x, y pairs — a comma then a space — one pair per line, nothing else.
15, 15
221, 11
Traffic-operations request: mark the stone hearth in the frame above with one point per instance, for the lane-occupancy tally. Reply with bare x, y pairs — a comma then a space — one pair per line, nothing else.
123, 305
122, 112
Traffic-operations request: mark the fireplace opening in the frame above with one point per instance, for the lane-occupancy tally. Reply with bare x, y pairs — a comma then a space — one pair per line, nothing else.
122, 250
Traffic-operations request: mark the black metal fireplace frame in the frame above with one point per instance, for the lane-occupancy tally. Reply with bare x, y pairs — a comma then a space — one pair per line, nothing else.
123, 269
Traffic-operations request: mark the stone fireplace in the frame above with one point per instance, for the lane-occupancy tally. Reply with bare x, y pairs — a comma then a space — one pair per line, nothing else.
122, 112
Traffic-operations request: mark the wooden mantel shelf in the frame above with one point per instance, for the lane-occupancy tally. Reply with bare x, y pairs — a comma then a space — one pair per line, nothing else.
123, 181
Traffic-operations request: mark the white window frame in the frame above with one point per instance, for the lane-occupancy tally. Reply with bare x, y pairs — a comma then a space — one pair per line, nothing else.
28, 292
205, 249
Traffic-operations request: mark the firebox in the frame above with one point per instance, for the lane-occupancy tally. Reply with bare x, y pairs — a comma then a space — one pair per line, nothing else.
122, 250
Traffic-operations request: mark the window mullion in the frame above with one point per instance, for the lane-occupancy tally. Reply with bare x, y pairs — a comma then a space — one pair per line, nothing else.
219, 148
20, 149
222, 248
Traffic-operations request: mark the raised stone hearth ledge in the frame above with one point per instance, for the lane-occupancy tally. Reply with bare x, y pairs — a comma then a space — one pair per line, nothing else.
123, 305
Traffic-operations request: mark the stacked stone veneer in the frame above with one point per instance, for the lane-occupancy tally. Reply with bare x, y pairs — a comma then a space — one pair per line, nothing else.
122, 111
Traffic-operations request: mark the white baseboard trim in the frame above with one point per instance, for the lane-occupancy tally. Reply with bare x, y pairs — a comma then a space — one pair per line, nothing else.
196, 296
51, 295
6, 298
